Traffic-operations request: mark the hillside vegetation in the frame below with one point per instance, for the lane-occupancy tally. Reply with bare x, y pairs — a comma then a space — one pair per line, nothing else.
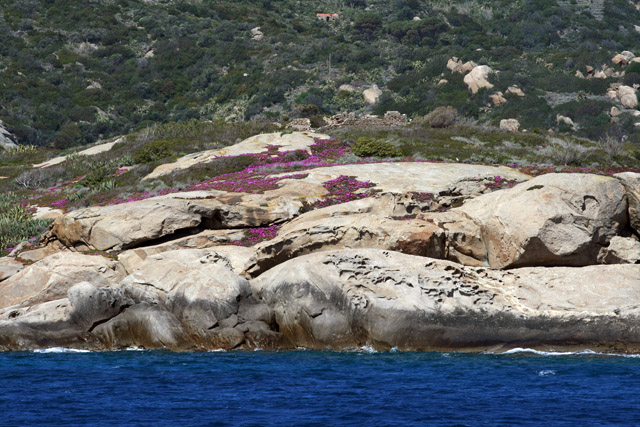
74, 72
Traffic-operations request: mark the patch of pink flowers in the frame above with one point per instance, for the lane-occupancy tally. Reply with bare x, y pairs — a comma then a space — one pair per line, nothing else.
61, 203
256, 235
344, 189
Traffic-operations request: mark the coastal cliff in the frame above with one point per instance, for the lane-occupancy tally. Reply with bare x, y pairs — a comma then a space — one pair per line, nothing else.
411, 255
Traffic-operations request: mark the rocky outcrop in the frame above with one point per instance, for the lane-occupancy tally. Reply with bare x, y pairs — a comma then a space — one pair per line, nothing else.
372, 94
7, 140
51, 278
180, 300
560, 119
350, 298
625, 95
515, 90
621, 250
631, 183
476, 79
253, 145
130, 224
455, 65
91, 151
623, 59
191, 299
554, 219
256, 34
438, 256
498, 98
512, 125
327, 230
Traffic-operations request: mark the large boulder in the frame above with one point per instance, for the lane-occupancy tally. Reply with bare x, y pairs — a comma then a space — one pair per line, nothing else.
372, 94
351, 298
512, 125
197, 297
476, 79
253, 145
554, 219
627, 96
129, 224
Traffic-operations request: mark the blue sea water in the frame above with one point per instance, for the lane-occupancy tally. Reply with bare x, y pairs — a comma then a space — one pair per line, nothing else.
157, 388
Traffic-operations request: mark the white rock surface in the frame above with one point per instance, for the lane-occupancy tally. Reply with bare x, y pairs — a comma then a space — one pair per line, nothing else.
511, 125
93, 150
252, 145
372, 94
476, 79
621, 250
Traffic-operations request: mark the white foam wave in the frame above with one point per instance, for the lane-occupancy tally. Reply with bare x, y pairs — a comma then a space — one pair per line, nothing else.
587, 352
60, 350
368, 349
547, 372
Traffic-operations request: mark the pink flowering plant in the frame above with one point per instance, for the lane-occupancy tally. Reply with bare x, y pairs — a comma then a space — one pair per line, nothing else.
256, 235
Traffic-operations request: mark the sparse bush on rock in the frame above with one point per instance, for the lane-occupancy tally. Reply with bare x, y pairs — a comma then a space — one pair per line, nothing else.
442, 117
367, 147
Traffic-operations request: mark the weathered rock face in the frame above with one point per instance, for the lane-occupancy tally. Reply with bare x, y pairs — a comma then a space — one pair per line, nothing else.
129, 224
401, 178
631, 183
554, 219
328, 230
6, 138
253, 145
9, 267
476, 79
52, 277
185, 299
621, 250
350, 298
207, 239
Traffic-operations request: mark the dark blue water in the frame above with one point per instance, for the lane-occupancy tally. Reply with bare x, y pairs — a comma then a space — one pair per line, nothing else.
317, 388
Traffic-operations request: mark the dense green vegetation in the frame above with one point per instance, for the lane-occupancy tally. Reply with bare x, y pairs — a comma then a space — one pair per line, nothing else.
73, 72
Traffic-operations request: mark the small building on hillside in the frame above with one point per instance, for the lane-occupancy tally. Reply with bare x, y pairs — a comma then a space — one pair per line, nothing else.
327, 16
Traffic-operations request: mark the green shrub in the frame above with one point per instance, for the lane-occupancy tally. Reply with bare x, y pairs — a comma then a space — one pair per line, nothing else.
442, 117
16, 223
152, 151
367, 147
